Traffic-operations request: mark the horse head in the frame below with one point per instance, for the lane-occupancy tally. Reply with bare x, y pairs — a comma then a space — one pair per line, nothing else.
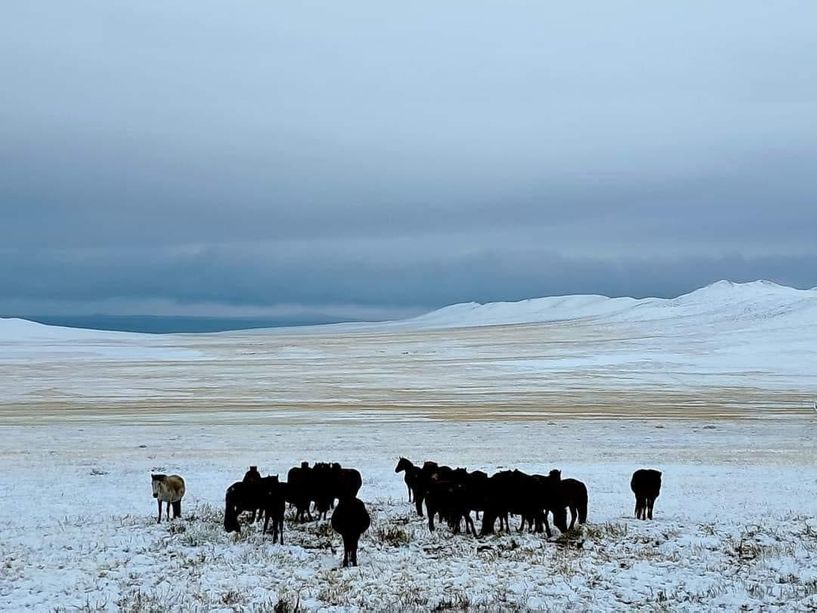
156, 481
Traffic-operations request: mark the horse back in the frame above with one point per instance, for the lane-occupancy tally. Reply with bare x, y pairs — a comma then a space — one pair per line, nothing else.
172, 488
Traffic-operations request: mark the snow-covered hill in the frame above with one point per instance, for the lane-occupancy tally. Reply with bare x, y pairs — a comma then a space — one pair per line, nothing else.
749, 337
726, 303
14, 329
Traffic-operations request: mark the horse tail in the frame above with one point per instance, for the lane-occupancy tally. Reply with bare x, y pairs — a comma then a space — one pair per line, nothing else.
582, 505
230, 514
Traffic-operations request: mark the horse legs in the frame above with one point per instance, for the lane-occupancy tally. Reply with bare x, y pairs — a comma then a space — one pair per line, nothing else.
159, 520
469, 524
574, 513
418, 503
547, 525
641, 507
346, 547
650, 503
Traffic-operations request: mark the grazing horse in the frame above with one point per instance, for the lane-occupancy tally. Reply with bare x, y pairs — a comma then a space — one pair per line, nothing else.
646, 485
350, 520
274, 505
452, 501
453, 494
412, 476
170, 490
530, 496
574, 496
267, 495
240, 496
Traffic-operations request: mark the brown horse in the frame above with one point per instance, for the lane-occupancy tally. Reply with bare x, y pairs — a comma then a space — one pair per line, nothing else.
168, 489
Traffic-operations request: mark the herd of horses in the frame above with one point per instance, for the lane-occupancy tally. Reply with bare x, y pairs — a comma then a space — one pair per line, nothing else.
307, 488
451, 495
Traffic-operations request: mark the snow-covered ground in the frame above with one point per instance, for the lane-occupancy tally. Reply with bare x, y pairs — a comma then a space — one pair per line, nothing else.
736, 523
715, 388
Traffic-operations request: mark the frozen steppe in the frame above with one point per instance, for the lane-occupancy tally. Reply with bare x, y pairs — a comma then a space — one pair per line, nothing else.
715, 388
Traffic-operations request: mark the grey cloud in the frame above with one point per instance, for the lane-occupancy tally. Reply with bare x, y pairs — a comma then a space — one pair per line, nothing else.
225, 281
401, 157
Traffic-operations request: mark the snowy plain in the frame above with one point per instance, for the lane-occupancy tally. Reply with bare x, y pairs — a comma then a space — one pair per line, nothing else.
715, 388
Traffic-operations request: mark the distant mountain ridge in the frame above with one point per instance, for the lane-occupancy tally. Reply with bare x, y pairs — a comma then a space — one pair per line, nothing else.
724, 303
723, 300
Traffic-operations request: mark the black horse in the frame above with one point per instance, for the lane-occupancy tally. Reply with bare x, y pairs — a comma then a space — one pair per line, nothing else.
431, 471
530, 496
646, 485
453, 494
267, 495
412, 476
574, 496
300, 490
332, 482
253, 476
350, 519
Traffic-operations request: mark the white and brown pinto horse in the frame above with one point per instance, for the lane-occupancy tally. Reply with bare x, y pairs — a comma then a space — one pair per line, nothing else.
168, 489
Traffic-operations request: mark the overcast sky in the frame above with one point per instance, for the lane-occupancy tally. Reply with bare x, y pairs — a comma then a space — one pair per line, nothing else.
375, 159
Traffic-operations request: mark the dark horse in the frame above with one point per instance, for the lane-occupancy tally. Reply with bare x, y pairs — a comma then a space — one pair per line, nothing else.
646, 485
453, 495
530, 496
574, 496
331, 482
267, 495
351, 520
301, 489
412, 476
253, 476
